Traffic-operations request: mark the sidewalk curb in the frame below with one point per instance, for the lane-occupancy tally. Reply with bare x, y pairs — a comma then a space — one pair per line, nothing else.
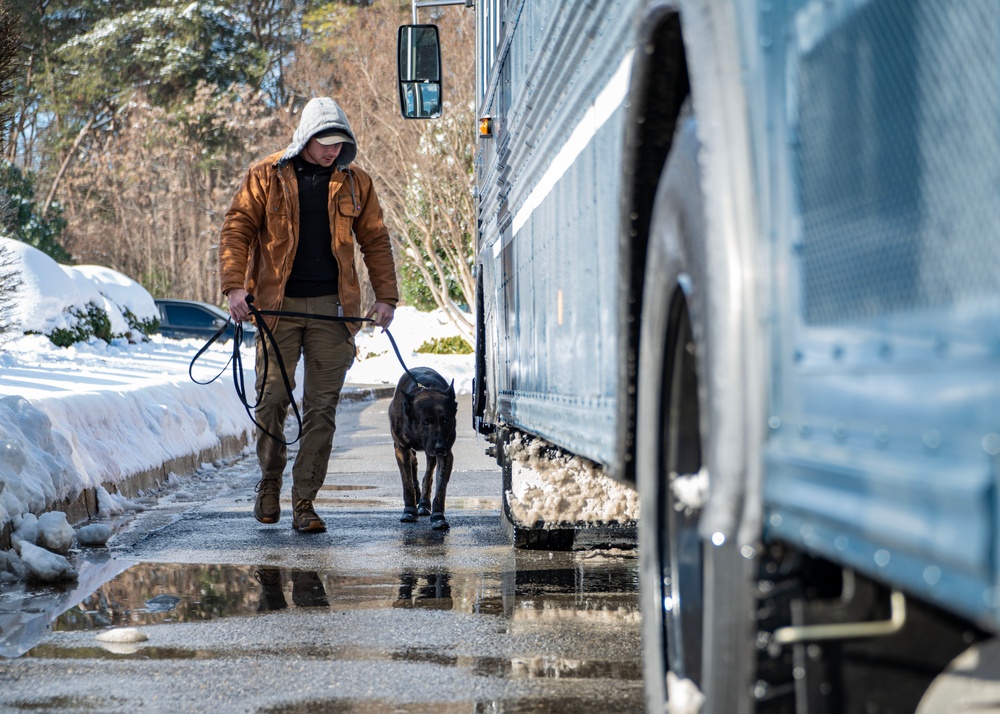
367, 393
83, 507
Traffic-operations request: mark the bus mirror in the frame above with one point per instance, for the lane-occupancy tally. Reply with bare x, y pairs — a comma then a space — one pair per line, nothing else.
419, 65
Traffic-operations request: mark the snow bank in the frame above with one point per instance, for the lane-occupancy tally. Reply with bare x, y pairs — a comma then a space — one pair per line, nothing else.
120, 289
79, 417
36, 463
48, 292
557, 488
378, 364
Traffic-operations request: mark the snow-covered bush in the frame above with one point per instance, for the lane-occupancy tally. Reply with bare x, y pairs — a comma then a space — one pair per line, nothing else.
71, 304
82, 325
10, 282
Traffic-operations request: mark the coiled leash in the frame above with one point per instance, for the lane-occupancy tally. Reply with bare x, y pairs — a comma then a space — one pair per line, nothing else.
236, 359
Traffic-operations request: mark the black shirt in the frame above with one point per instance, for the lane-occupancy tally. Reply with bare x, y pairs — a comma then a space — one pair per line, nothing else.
314, 270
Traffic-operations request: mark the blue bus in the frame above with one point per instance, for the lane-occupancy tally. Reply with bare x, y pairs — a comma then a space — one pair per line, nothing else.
754, 245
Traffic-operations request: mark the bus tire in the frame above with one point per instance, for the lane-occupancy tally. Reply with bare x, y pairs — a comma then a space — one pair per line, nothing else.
693, 644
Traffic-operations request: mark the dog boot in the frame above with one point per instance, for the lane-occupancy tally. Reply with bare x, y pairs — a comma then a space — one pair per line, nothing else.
424, 507
438, 522
304, 518
267, 509
409, 515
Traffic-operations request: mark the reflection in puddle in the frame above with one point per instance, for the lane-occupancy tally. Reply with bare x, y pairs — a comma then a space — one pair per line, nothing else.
80, 703
532, 705
537, 667
592, 591
349, 502
158, 593
26, 610
52, 651
432, 590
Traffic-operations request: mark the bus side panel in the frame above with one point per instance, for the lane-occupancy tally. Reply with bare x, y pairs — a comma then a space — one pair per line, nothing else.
885, 423
549, 215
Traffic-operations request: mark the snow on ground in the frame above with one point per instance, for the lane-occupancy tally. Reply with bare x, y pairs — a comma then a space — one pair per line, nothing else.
96, 413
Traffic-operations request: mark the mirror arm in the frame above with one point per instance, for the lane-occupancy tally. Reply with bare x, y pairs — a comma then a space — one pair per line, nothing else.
435, 3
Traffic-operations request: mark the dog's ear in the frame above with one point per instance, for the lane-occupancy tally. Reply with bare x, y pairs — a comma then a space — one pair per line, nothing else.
451, 390
407, 404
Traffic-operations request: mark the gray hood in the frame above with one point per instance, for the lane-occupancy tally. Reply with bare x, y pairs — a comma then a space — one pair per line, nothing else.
320, 114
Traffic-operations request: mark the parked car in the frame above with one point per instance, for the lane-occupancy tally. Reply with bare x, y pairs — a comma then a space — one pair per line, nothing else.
181, 319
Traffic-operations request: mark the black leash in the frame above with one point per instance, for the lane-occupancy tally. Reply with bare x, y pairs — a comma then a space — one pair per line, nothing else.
236, 359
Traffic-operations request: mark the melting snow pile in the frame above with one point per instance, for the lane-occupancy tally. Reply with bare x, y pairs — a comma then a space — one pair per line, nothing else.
556, 488
41, 547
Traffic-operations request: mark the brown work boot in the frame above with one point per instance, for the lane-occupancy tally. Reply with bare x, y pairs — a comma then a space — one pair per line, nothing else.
304, 518
267, 509
272, 597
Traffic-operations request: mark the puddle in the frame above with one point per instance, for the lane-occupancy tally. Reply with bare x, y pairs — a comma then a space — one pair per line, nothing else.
532, 705
592, 591
85, 703
539, 667
345, 487
580, 588
53, 651
355, 502
162, 593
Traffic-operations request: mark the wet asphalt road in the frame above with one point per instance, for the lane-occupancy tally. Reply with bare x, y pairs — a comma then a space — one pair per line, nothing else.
371, 616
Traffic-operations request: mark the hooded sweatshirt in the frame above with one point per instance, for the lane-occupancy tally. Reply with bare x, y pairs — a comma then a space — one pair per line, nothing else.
320, 114
260, 233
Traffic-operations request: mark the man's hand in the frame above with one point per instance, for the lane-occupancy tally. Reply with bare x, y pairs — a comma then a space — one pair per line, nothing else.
382, 313
238, 309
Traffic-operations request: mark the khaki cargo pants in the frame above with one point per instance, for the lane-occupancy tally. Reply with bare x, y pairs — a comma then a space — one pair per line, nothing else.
329, 352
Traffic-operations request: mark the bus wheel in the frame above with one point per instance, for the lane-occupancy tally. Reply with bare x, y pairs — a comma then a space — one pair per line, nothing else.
696, 607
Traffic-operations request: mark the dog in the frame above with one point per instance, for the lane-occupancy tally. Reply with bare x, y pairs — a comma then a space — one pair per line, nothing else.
422, 418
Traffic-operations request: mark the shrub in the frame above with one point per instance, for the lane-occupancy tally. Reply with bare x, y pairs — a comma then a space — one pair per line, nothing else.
10, 281
94, 321
100, 323
146, 327
80, 331
453, 345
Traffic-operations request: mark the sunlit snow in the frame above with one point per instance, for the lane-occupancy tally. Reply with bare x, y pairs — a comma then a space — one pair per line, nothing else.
94, 414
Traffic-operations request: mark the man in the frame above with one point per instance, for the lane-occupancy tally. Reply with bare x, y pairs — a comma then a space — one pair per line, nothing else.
288, 240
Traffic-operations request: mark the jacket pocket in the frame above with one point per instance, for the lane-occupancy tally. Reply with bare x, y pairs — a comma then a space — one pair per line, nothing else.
348, 205
276, 204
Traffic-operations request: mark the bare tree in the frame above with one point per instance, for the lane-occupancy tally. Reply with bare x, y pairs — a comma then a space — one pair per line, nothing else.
149, 200
423, 169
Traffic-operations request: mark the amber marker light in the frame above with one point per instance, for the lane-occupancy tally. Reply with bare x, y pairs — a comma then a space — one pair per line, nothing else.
486, 127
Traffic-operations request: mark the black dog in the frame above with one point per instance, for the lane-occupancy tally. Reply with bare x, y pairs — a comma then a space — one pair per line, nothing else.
422, 418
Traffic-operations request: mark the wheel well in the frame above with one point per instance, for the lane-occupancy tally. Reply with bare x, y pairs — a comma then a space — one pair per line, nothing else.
659, 88
479, 380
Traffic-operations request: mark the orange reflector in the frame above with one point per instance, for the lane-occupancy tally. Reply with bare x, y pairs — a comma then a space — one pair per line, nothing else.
486, 127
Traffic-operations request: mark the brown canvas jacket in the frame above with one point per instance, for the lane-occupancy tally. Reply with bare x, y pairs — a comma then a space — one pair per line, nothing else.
260, 234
